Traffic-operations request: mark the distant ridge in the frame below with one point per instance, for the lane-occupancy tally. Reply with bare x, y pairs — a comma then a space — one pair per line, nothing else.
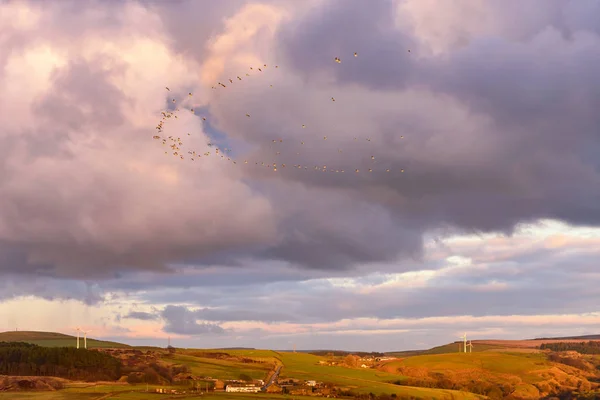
582, 337
55, 339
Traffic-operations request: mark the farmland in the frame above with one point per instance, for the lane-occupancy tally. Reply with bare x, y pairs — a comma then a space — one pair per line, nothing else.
134, 393
218, 368
305, 366
495, 368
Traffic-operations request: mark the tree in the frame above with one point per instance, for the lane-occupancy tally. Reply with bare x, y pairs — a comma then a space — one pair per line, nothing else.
350, 360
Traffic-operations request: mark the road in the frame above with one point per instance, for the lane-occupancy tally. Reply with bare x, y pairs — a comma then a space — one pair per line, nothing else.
273, 379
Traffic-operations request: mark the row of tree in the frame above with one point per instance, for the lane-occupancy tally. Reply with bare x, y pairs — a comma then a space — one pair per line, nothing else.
591, 347
25, 359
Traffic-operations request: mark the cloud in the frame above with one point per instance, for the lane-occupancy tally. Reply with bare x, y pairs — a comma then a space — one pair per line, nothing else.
86, 194
141, 315
496, 102
85, 191
183, 321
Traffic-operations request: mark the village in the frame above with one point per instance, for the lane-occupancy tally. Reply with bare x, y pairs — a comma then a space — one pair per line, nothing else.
290, 386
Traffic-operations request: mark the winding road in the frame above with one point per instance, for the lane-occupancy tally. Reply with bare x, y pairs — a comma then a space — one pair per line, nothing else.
273, 379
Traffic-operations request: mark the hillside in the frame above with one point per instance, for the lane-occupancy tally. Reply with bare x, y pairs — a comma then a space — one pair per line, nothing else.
495, 369
494, 345
523, 375
54, 339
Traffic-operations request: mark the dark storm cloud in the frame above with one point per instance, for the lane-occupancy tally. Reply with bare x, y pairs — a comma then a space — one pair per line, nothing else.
183, 321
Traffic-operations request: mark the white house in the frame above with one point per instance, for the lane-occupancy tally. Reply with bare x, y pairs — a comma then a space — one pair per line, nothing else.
242, 388
311, 383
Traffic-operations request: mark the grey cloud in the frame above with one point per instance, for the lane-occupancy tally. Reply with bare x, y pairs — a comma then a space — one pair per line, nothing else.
242, 315
507, 139
340, 28
542, 283
141, 315
183, 321
15, 285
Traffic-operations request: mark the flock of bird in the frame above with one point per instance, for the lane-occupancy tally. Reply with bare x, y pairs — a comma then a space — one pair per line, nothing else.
174, 145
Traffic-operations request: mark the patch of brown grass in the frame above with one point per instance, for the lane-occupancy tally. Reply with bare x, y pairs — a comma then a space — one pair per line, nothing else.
13, 383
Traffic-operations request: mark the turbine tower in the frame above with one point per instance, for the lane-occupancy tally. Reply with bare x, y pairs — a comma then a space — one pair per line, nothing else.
464, 338
85, 339
470, 347
78, 330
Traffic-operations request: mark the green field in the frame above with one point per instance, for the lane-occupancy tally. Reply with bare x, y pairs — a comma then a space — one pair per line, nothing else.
126, 391
53, 339
216, 368
305, 366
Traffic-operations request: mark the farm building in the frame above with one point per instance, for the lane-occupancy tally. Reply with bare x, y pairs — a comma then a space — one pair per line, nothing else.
242, 388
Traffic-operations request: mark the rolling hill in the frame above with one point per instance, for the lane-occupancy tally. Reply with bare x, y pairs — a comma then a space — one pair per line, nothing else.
495, 373
54, 339
494, 345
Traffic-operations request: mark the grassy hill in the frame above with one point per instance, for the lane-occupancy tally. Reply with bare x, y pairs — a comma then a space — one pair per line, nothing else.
223, 365
446, 348
494, 368
53, 339
226, 364
493, 345
306, 367
522, 374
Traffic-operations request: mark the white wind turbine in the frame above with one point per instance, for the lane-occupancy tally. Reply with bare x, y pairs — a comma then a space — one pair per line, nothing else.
85, 338
464, 338
470, 347
78, 329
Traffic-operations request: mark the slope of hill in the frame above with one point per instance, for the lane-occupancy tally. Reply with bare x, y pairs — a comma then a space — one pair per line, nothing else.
358, 380
54, 339
494, 345
446, 348
494, 373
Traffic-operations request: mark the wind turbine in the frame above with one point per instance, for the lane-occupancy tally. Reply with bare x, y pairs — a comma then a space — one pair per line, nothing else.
470, 347
85, 338
78, 330
464, 338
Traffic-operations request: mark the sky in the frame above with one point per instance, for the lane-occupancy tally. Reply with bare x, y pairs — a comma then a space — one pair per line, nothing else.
490, 109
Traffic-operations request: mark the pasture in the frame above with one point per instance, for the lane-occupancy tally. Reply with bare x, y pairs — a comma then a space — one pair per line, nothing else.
305, 366
135, 392
519, 369
521, 364
217, 368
